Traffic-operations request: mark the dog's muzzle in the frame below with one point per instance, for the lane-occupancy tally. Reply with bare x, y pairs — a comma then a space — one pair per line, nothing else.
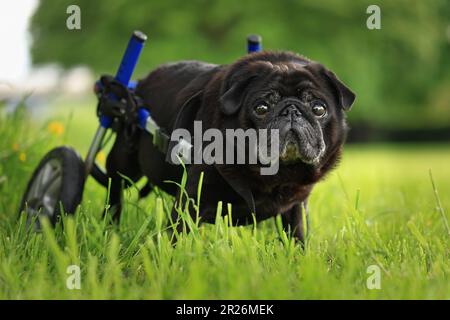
301, 137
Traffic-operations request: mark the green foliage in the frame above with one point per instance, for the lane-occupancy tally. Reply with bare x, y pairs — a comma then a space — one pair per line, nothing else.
400, 73
379, 208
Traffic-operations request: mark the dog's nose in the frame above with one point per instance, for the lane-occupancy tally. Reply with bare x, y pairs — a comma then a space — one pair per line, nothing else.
291, 110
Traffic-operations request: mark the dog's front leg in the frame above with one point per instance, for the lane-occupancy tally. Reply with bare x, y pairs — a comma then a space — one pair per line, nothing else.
296, 221
184, 204
210, 194
178, 223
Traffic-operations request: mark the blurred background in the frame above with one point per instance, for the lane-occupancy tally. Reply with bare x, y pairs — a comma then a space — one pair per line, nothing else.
401, 73
381, 206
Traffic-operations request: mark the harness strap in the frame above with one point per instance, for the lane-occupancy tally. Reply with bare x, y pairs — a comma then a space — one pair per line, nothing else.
184, 118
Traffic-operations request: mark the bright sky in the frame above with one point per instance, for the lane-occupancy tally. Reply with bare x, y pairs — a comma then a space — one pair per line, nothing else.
15, 59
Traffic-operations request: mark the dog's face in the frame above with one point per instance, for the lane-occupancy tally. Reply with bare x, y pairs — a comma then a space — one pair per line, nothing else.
302, 99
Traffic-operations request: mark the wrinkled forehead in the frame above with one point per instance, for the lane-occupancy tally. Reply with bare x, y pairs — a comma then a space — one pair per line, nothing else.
286, 76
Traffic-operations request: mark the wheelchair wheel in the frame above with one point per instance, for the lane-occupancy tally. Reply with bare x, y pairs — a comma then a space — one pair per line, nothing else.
56, 186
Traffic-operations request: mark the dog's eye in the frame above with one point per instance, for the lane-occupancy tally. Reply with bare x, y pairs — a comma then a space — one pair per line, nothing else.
261, 109
319, 109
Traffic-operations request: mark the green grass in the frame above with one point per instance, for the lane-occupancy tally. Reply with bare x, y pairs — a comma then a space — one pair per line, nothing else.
378, 208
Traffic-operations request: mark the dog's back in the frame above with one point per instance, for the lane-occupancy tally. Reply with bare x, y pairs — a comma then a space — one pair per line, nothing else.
164, 91
166, 88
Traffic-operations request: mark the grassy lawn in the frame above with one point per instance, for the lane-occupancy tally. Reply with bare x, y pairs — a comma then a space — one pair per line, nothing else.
378, 208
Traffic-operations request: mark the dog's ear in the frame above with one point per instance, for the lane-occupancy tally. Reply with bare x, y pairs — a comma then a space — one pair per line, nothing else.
346, 97
233, 96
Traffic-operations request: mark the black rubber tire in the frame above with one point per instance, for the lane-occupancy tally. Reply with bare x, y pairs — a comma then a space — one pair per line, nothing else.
70, 190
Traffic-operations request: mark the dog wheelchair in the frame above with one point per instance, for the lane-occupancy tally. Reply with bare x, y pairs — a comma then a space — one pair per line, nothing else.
56, 185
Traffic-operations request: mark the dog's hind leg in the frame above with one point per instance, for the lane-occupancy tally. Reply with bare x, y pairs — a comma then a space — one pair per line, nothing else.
121, 162
115, 199
185, 203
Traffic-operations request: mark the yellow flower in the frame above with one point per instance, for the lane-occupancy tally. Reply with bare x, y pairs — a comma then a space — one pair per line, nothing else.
22, 156
56, 128
101, 157
15, 147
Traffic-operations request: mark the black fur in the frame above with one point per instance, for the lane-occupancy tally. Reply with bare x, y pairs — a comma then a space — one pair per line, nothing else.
224, 97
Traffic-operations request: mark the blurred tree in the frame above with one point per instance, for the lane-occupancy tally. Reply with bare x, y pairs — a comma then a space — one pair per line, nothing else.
395, 71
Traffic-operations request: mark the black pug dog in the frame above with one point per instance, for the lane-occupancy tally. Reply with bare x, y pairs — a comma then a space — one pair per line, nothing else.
273, 90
